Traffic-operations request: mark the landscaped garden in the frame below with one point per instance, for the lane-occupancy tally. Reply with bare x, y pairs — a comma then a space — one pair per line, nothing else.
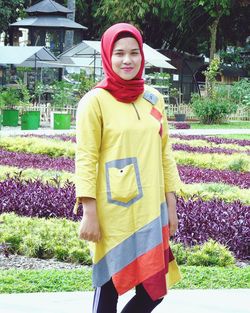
37, 197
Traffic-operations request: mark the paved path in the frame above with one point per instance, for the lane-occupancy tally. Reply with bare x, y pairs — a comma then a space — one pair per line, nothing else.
11, 131
177, 301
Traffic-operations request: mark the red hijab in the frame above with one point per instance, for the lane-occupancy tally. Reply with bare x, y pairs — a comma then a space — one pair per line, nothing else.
123, 90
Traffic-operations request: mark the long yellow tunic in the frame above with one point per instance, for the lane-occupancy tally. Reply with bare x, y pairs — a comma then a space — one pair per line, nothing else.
124, 160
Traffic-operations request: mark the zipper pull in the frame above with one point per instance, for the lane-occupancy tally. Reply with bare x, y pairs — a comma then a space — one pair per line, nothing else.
137, 113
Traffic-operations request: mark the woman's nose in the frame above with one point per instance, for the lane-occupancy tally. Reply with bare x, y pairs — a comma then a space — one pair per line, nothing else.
127, 59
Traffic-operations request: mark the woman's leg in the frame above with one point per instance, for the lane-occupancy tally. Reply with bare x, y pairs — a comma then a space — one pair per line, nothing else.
141, 302
105, 299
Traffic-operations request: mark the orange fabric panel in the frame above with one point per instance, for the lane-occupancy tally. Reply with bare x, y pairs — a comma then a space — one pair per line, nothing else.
132, 275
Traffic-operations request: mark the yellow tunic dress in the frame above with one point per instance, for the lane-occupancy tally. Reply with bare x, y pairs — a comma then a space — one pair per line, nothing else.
124, 160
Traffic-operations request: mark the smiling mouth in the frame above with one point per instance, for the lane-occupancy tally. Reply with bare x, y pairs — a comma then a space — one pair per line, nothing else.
127, 69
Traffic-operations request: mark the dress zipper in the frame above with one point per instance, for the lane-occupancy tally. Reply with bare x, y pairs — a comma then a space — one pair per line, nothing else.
137, 113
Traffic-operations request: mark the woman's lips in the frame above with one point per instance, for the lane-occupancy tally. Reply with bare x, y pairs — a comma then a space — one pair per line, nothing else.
127, 69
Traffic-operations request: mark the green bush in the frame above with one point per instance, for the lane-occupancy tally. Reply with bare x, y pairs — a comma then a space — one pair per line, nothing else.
44, 238
210, 253
240, 92
180, 253
212, 110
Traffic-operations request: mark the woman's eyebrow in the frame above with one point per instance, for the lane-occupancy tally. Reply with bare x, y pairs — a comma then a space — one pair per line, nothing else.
119, 49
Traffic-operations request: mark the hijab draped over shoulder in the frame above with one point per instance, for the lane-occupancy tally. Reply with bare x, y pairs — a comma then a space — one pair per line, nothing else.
123, 90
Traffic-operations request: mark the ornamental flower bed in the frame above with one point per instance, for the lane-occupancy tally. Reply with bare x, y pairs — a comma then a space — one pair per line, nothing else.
200, 219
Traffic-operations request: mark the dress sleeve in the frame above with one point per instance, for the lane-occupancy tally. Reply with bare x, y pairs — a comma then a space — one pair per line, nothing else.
171, 175
88, 141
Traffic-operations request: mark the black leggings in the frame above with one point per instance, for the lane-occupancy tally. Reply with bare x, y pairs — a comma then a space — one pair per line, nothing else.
106, 298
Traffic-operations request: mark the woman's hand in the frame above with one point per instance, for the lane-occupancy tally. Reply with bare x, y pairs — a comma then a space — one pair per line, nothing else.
89, 228
173, 219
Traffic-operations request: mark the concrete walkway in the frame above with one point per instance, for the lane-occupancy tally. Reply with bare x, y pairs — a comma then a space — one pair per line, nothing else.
177, 301
15, 131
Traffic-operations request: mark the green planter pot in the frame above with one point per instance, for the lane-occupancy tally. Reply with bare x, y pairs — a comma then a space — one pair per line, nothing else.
10, 117
30, 120
61, 120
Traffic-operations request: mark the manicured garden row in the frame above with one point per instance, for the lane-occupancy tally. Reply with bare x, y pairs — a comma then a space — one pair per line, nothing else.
235, 162
191, 174
208, 191
203, 143
217, 140
40, 161
43, 238
188, 148
51, 177
55, 148
35, 198
227, 223
63, 137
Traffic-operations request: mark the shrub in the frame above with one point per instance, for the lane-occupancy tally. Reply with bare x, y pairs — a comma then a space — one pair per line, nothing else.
212, 110
210, 253
41, 238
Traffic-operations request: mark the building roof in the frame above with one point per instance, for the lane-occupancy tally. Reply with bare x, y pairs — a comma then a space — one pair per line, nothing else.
48, 22
48, 6
92, 50
25, 56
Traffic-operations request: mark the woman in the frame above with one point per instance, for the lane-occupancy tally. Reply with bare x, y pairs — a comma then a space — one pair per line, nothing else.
126, 179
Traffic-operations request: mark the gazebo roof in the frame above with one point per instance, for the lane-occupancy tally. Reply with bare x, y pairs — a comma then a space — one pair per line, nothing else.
48, 22
48, 6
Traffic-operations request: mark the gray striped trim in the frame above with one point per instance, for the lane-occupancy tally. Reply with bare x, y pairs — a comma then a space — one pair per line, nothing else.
145, 239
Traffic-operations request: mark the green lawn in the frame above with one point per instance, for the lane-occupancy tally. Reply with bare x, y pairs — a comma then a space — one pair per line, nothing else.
231, 125
236, 136
194, 277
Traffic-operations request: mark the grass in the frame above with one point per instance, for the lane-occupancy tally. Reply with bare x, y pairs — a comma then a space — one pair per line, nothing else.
236, 136
194, 277
229, 125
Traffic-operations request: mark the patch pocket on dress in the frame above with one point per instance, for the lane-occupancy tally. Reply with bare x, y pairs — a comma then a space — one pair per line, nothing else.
123, 182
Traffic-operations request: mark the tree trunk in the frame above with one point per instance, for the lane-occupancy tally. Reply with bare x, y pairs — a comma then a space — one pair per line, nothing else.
213, 33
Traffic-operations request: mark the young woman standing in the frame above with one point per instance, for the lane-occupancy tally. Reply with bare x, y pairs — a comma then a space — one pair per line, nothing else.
126, 179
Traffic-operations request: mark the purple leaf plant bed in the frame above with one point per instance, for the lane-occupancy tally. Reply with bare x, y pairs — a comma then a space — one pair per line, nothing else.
62, 137
32, 160
187, 148
227, 223
37, 199
216, 140
190, 174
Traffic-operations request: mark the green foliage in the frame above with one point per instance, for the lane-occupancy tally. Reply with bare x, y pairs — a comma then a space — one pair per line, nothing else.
210, 191
210, 161
85, 83
44, 238
53, 148
63, 95
9, 97
52, 177
240, 92
239, 165
210, 253
212, 110
26, 281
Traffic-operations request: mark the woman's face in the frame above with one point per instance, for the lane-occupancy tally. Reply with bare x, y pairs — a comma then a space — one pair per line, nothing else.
126, 58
